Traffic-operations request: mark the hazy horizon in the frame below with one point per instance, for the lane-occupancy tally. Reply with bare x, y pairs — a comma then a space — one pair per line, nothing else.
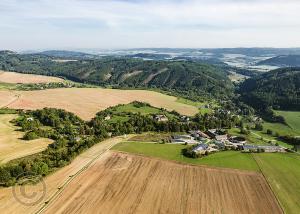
130, 24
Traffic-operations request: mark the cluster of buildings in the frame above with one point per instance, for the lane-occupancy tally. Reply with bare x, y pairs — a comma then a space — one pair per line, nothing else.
160, 118
214, 140
257, 148
164, 118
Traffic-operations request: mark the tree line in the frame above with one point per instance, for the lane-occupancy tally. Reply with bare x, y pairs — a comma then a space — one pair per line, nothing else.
72, 136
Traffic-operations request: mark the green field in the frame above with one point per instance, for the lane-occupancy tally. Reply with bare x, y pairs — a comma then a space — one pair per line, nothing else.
9, 86
283, 174
228, 159
251, 138
142, 110
119, 112
259, 137
199, 105
282, 170
292, 118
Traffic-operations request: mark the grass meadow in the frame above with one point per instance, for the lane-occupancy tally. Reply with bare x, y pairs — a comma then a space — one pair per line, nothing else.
227, 159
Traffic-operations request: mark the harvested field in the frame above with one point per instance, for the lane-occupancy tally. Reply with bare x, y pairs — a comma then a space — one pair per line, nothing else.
123, 183
7, 98
9, 204
86, 102
11, 145
13, 77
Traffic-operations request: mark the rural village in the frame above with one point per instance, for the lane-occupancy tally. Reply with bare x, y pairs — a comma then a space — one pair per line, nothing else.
150, 107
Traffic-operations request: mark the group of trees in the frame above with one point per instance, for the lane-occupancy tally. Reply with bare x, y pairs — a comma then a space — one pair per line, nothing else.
190, 153
72, 135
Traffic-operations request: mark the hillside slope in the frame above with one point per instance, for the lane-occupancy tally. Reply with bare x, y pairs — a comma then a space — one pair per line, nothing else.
67, 54
183, 77
282, 61
279, 89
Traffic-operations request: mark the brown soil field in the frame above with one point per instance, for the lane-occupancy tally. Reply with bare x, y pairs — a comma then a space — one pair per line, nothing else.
13, 77
9, 204
86, 102
11, 144
125, 183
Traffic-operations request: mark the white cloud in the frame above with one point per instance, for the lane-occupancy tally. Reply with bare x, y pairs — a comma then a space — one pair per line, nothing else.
123, 24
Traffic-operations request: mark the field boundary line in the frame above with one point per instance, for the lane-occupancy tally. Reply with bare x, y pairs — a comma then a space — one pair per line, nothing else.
267, 181
244, 171
12, 102
70, 179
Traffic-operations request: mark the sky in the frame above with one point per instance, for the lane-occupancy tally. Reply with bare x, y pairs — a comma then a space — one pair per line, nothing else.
121, 24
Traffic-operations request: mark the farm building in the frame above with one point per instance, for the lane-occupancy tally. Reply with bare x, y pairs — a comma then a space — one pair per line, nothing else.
161, 118
217, 134
107, 117
272, 148
200, 148
184, 139
185, 118
249, 148
218, 145
198, 134
254, 148
238, 140
221, 137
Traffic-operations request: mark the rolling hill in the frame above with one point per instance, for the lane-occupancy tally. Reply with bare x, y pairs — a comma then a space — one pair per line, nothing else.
279, 89
190, 78
283, 61
67, 54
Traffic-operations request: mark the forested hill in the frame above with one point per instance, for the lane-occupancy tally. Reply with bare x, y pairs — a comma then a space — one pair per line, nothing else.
67, 54
189, 78
283, 61
279, 89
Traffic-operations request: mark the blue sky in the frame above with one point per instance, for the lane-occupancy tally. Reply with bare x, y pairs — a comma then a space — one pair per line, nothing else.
113, 24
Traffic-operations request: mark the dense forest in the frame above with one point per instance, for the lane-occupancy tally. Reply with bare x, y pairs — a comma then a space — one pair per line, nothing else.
184, 77
279, 89
282, 61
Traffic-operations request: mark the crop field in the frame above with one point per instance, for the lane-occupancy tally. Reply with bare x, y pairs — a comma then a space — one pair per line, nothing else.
123, 183
228, 159
283, 173
86, 102
13, 77
54, 182
11, 145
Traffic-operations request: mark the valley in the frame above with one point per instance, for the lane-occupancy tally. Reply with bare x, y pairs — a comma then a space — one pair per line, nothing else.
108, 135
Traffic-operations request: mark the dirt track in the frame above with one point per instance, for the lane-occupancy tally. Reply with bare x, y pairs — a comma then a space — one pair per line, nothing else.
8, 203
123, 183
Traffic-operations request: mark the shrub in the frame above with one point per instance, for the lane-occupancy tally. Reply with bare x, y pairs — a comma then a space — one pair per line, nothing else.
259, 127
269, 132
188, 152
30, 136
